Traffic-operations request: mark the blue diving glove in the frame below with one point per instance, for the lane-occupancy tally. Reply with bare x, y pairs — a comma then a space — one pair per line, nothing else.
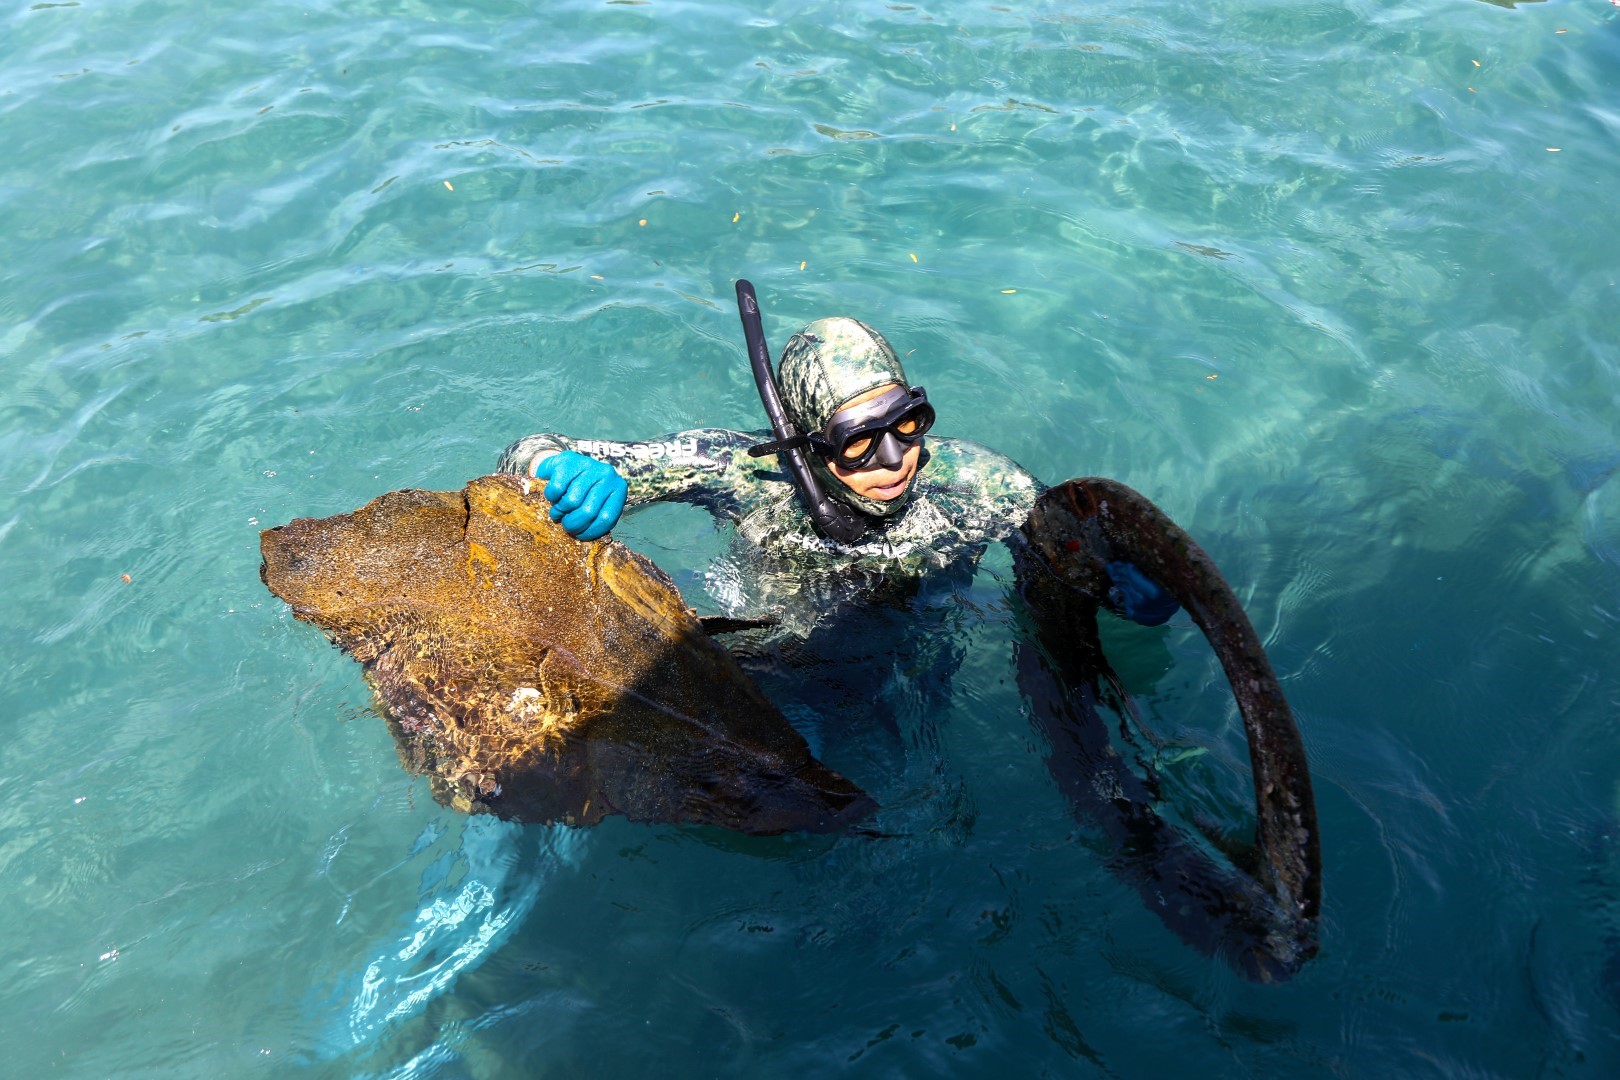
586, 495
1138, 597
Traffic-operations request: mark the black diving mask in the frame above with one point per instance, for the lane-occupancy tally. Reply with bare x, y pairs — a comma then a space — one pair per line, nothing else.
883, 428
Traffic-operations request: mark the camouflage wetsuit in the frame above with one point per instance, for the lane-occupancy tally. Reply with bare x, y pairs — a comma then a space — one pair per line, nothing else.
964, 497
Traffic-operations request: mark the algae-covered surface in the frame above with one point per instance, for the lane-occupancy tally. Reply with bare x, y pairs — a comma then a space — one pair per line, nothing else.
538, 678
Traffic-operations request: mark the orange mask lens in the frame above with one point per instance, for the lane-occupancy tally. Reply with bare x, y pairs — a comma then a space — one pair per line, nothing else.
856, 448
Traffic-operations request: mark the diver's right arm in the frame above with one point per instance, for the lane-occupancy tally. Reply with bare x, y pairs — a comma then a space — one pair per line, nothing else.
700, 467
586, 495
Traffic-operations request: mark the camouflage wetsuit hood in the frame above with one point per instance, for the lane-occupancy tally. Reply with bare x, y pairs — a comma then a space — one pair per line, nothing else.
824, 367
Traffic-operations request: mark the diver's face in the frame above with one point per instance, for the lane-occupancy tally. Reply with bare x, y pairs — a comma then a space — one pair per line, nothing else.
875, 481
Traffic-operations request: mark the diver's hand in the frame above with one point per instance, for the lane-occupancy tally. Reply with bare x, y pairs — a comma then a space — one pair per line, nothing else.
1137, 596
586, 495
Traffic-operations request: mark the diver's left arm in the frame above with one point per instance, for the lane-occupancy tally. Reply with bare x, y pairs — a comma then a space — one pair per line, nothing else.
1138, 597
1008, 492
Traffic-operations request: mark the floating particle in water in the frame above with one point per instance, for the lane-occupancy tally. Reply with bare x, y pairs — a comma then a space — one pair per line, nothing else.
449, 186
913, 256
643, 221
736, 217
125, 578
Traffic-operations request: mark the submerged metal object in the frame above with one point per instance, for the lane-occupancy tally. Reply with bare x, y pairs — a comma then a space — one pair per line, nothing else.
542, 679
1072, 532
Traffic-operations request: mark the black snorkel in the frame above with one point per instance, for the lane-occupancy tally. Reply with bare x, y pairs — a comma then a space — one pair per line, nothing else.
831, 518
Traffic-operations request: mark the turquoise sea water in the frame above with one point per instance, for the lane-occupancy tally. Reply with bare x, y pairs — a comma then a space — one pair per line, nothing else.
1335, 283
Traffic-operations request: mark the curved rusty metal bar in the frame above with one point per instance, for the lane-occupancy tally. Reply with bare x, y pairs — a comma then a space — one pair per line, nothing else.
1079, 526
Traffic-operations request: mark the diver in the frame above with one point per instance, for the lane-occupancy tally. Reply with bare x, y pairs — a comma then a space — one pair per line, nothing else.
873, 505
837, 542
